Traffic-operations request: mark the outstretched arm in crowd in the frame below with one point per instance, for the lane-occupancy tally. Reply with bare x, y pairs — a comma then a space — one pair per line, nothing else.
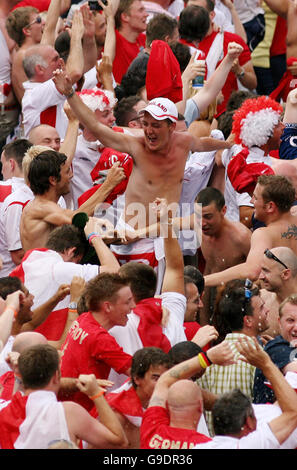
286, 423
11, 307
220, 354
106, 434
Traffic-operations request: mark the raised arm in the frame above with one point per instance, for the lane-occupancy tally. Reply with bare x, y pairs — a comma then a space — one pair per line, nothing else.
285, 424
68, 145
238, 26
75, 62
252, 266
108, 262
109, 138
52, 17
280, 7
215, 83
88, 40
41, 313
291, 108
220, 354
12, 306
105, 433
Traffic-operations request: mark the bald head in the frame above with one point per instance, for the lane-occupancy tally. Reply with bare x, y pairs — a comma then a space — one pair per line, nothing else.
288, 257
45, 135
182, 394
26, 340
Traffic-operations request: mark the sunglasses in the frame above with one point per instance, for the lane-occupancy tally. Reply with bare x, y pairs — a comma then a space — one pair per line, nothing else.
270, 255
37, 20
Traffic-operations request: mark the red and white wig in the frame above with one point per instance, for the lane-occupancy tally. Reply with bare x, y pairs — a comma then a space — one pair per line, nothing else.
254, 121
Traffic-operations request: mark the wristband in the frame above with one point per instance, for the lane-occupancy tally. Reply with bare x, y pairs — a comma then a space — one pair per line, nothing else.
71, 93
99, 394
204, 361
92, 235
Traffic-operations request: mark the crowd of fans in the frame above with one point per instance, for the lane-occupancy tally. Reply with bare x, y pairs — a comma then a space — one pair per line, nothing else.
148, 228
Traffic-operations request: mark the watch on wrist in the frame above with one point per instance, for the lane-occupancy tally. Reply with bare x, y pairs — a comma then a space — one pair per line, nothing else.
71, 93
241, 74
73, 305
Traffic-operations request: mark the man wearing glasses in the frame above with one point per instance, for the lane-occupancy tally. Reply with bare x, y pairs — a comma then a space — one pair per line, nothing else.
278, 278
25, 27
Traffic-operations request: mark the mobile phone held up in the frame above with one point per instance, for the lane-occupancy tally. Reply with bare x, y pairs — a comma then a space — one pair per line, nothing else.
95, 6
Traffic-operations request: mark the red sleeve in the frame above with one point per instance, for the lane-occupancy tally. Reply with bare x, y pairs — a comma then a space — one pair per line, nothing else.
107, 349
41, 5
153, 418
245, 56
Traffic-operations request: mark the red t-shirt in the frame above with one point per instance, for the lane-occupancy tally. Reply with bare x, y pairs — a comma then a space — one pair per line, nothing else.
7, 382
278, 46
155, 432
245, 56
11, 417
125, 53
90, 349
41, 5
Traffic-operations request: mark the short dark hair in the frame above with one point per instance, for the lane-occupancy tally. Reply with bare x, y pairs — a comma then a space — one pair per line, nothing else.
193, 23
183, 351
37, 365
234, 305
134, 79
279, 190
208, 195
102, 287
64, 237
238, 97
225, 123
16, 150
123, 110
42, 167
62, 45
230, 411
160, 26
9, 285
142, 279
182, 54
196, 276
144, 358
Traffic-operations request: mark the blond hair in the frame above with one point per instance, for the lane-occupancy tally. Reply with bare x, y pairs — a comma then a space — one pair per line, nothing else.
29, 156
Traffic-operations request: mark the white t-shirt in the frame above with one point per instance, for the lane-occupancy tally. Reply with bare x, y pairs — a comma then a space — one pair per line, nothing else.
266, 413
85, 158
233, 199
44, 423
247, 9
128, 338
262, 438
43, 104
5, 62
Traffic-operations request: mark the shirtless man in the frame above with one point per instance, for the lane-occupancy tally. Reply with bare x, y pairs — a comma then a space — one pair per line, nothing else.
159, 154
49, 177
224, 243
272, 198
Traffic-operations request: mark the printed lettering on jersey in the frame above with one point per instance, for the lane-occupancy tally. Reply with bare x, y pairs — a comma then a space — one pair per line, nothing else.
157, 442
